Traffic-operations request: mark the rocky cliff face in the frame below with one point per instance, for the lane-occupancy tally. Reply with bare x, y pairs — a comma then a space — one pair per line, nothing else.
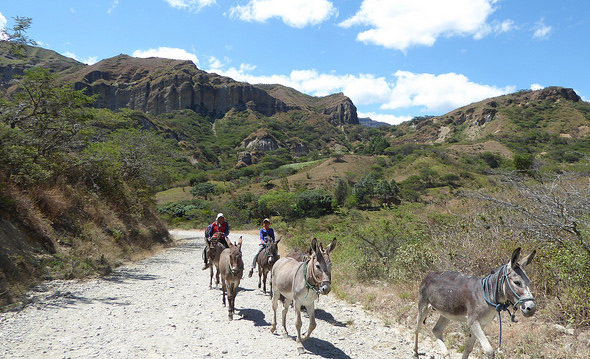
158, 86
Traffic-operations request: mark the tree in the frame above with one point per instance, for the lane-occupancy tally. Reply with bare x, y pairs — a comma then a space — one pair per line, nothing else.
387, 192
49, 115
364, 189
341, 192
553, 209
203, 189
16, 36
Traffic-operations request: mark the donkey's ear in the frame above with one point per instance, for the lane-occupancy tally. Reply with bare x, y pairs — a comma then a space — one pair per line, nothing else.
277, 242
314, 245
331, 246
240, 243
528, 259
514, 258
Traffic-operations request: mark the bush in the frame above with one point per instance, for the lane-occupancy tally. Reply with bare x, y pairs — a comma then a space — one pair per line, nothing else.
314, 203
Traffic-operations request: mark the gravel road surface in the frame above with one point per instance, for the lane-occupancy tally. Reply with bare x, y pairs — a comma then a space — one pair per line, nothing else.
162, 307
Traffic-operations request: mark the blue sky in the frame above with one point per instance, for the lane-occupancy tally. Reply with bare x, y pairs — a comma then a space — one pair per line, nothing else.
395, 59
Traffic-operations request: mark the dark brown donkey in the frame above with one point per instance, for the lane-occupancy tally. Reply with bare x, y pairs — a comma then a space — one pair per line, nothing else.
301, 282
214, 249
475, 300
231, 268
265, 260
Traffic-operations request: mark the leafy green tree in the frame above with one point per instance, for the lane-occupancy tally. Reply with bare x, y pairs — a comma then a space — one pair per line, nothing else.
49, 115
341, 192
17, 37
387, 192
522, 162
203, 189
314, 203
364, 189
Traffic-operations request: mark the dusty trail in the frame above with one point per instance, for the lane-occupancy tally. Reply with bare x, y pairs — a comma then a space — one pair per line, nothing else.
162, 307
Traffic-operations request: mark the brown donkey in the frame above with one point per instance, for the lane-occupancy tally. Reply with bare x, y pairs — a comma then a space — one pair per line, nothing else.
231, 268
265, 261
301, 282
475, 300
214, 253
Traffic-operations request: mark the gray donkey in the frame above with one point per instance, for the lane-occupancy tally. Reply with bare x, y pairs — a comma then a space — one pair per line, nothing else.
459, 297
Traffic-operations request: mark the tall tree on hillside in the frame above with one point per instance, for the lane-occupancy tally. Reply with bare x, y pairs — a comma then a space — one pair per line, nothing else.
17, 37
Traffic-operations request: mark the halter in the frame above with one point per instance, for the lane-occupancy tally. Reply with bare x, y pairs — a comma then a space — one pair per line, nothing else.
234, 272
307, 284
487, 286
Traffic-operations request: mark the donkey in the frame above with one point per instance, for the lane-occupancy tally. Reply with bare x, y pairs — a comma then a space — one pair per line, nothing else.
214, 252
265, 261
475, 301
302, 282
231, 268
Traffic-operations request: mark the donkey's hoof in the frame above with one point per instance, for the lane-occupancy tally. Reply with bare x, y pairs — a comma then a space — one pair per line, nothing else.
301, 350
230, 316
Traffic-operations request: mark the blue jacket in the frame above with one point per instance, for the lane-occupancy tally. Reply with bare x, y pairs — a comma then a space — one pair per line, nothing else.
264, 233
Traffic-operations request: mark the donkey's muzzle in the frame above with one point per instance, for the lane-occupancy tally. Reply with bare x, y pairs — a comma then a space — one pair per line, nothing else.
528, 308
325, 288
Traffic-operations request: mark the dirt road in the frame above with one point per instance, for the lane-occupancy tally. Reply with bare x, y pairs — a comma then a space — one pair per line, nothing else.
162, 307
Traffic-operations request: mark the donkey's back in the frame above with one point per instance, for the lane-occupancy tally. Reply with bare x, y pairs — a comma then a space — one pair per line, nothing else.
452, 294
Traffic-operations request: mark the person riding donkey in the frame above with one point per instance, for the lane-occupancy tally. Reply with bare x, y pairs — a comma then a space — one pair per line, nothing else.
266, 234
218, 230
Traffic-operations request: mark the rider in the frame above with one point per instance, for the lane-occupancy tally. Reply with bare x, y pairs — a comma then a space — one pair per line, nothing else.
219, 230
266, 234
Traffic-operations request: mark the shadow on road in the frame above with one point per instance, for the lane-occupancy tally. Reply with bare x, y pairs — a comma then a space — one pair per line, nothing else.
254, 315
68, 299
327, 317
323, 348
126, 275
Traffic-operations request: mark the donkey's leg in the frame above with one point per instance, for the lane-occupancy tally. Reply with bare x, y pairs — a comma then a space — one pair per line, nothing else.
223, 289
260, 270
275, 304
423, 310
298, 324
438, 329
264, 274
312, 324
483, 340
216, 275
230, 298
286, 305
211, 277
469, 343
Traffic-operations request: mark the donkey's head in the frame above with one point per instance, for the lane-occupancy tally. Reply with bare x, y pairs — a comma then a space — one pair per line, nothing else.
272, 251
235, 257
322, 265
516, 286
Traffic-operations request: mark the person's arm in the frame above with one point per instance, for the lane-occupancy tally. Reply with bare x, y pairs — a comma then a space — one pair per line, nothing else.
262, 235
272, 234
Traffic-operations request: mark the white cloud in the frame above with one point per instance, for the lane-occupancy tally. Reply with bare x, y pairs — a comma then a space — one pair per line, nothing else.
295, 13
167, 53
2, 26
535, 87
192, 5
401, 24
541, 31
113, 6
390, 119
438, 93
88, 61
421, 93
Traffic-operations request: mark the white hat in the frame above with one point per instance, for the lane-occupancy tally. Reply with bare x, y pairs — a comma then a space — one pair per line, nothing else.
266, 220
219, 215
